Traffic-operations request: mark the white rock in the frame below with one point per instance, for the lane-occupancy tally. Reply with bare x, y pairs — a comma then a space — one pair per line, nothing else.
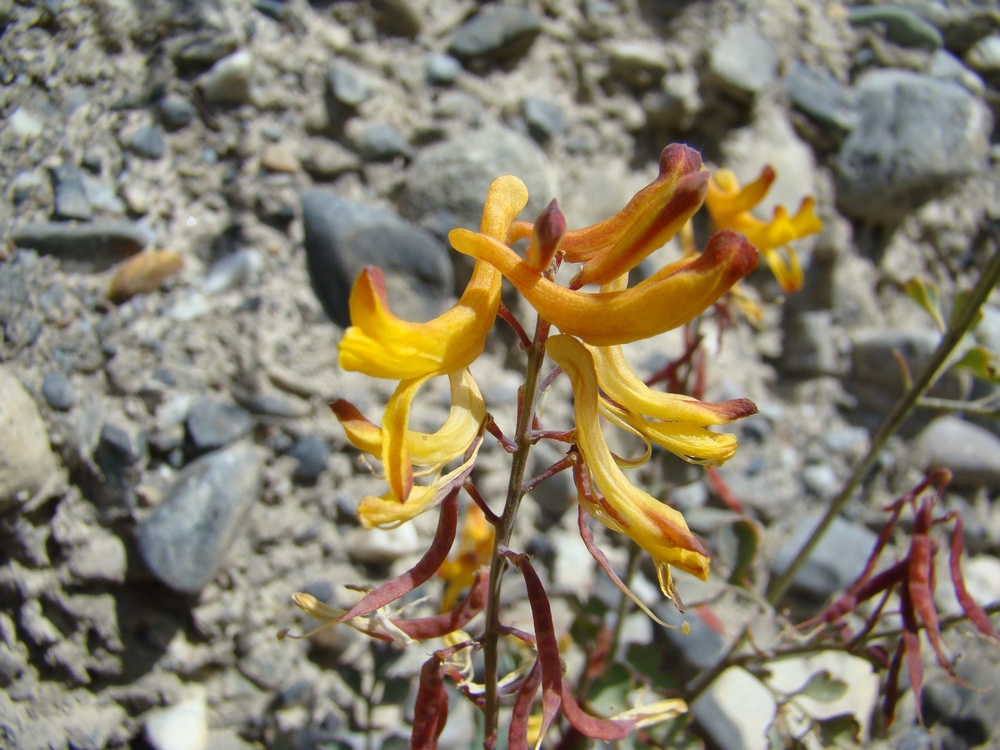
736, 711
26, 461
183, 726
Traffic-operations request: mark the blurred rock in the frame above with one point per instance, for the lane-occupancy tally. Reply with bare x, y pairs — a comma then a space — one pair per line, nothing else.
735, 711
398, 17
183, 726
143, 273
58, 391
26, 459
229, 80
835, 562
212, 424
447, 183
70, 199
899, 24
83, 247
969, 451
916, 136
639, 65
148, 143
743, 61
342, 237
185, 539
495, 34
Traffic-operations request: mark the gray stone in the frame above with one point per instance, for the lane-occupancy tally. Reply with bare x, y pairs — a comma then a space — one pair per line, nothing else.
212, 424
900, 25
102, 196
185, 540
447, 182
347, 84
379, 141
972, 453
947, 67
26, 460
985, 55
968, 708
822, 97
809, 348
70, 199
148, 143
835, 562
175, 111
342, 237
101, 558
544, 117
120, 456
743, 61
58, 391
229, 80
312, 453
917, 135
639, 65
735, 711
397, 17
83, 247
441, 69
496, 34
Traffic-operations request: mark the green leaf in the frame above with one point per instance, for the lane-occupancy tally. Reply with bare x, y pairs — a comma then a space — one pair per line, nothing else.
961, 300
925, 294
839, 731
824, 688
982, 363
647, 661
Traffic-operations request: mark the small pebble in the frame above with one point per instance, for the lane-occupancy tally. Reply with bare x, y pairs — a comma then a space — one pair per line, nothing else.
175, 112
442, 70
58, 390
70, 199
148, 143
183, 726
143, 273
279, 158
312, 453
228, 82
212, 424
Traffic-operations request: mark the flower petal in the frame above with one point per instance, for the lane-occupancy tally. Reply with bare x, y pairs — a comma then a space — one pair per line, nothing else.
669, 298
382, 345
657, 528
468, 410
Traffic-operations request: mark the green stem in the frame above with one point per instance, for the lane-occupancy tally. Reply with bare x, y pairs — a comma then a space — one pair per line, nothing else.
962, 320
505, 527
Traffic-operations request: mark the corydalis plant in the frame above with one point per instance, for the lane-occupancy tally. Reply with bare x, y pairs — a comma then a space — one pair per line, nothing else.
430, 470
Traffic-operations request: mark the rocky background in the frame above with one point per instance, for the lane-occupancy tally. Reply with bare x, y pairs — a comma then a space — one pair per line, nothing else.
169, 470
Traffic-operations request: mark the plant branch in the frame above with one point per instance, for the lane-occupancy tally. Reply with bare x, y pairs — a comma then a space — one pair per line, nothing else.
505, 527
962, 320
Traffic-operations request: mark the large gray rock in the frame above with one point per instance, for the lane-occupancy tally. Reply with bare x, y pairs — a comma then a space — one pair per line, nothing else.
86, 248
448, 182
743, 61
26, 460
185, 540
342, 237
916, 135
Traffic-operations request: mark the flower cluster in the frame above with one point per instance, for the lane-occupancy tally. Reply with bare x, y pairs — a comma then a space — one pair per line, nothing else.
593, 324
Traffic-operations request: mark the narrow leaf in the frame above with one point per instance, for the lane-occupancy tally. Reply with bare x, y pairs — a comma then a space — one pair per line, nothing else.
545, 633
435, 626
517, 734
599, 729
430, 713
972, 610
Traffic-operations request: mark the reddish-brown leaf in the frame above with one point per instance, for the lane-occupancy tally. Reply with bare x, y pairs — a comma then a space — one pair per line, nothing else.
892, 685
972, 610
426, 566
545, 633
517, 734
435, 626
430, 713
609, 730
919, 580
910, 645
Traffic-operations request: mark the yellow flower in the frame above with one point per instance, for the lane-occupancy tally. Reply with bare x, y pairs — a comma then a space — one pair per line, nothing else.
382, 345
670, 297
400, 448
659, 529
475, 550
730, 205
